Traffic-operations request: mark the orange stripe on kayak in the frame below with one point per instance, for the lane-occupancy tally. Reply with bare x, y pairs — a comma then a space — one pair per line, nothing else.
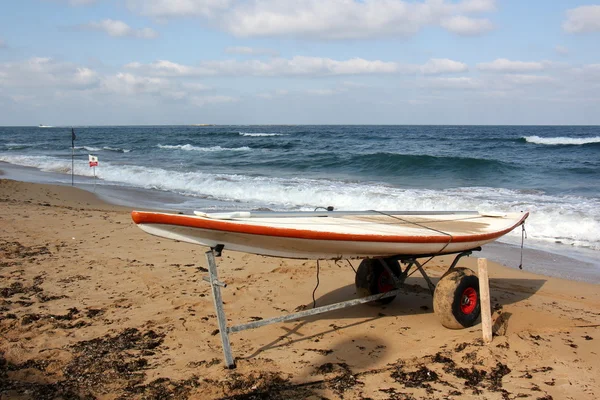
140, 217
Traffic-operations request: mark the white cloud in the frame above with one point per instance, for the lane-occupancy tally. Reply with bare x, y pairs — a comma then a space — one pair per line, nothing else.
589, 72
504, 65
443, 65
478, 6
41, 76
130, 84
85, 77
117, 28
179, 8
466, 26
164, 67
582, 19
332, 19
524, 79
201, 101
39, 72
462, 82
145, 33
298, 66
251, 51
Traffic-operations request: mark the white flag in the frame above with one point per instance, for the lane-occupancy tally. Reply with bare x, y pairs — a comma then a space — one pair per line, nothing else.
93, 160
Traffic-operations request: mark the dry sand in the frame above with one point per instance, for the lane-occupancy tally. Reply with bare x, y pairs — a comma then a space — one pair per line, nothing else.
92, 307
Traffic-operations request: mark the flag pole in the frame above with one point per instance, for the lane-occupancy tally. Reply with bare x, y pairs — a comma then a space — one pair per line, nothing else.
72, 155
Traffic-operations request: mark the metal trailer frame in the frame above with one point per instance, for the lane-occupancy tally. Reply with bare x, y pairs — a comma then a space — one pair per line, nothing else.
225, 330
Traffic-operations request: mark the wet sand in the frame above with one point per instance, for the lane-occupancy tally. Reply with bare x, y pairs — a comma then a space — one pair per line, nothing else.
92, 307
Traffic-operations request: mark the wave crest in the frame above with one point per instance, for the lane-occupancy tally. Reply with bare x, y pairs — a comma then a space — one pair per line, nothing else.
564, 141
116, 149
88, 148
189, 147
260, 134
572, 220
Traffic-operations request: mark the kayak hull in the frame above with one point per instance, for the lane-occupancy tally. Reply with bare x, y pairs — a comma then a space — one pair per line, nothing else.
339, 237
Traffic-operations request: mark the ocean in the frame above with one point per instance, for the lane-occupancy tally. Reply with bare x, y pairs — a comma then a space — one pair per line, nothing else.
551, 171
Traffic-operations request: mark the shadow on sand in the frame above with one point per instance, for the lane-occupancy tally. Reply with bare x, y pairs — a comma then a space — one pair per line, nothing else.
416, 299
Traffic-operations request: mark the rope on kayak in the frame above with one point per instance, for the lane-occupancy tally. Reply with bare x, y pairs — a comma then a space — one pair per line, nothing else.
351, 266
450, 237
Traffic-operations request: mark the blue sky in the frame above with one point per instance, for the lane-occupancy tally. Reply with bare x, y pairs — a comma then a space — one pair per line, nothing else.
105, 62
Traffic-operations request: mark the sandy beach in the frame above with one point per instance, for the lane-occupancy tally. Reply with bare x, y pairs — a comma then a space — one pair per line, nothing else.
92, 307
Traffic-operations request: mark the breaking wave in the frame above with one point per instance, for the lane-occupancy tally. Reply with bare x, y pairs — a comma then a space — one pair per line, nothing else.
189, 147
88, 148
116, 149
564, 141
566, 219
259, 134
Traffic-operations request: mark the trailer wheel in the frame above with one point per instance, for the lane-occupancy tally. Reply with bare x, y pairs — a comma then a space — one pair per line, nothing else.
372, 278
456, 299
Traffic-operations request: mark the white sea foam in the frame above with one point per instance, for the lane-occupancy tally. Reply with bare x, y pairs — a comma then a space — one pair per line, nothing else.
561, 140
87, 148
117, 149
259, 134
189, 147
570, 220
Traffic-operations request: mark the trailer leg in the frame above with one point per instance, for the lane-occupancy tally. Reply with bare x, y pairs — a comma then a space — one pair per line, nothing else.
461, 255
224, 330
215, 285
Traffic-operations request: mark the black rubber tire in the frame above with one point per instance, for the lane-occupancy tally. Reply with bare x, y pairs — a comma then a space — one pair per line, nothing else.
372, 278
456, 299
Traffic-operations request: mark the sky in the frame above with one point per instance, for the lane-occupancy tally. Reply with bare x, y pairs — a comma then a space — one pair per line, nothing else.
150, 62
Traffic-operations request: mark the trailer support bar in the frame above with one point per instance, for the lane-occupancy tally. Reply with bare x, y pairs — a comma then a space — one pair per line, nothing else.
224, 330
218, 301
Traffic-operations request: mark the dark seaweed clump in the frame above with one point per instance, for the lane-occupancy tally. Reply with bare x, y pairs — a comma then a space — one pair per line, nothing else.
109, 364
112, 360
264, 386
420, 378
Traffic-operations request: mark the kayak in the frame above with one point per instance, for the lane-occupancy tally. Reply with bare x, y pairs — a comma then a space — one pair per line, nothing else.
334, 234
